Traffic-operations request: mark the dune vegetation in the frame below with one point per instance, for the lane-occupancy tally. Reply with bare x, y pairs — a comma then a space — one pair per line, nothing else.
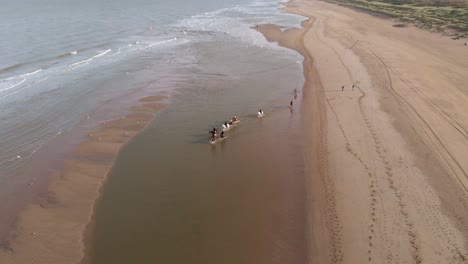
447, 16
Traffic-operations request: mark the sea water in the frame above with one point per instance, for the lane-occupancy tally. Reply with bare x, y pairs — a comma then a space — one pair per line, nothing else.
174, 198
60, 61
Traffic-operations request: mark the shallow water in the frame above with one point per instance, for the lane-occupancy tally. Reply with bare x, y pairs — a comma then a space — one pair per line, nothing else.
171, 197
60, 60
68, 66
174, 198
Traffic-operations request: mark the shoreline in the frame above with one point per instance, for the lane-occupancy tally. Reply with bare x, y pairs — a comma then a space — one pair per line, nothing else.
391, 184
313, 112
381, 173
74, 191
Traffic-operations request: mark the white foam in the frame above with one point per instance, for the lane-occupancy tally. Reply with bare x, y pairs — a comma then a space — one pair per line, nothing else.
115, 54
159, 43
13, 86
238, 21
102, 54
81, 62
22, 75
79, 65
30, 73
25, 87
86, 62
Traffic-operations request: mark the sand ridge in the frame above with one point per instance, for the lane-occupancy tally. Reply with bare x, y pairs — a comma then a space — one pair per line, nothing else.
395, 141
52, 230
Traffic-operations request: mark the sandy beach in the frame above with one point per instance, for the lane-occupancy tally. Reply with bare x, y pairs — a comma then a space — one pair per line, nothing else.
385, 111
54, 228
380, 174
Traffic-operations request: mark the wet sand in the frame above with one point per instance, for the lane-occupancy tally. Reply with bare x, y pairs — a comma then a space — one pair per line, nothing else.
52, 229
391, 183
163, 208
172, 197
380, 176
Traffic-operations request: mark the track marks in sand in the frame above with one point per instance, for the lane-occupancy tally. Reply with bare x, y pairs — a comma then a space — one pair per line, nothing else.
383, 192
391, 256
431, 136
377, 229
426, 200
407, 206
400, 194
333, 224
377, 214
375, 235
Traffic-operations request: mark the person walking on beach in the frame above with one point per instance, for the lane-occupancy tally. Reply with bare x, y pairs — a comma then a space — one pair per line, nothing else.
342, 88
291, 103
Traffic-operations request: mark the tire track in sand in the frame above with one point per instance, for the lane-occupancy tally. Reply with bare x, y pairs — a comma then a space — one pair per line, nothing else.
446, 155
374, 183
373, 188
430, 206
381, 151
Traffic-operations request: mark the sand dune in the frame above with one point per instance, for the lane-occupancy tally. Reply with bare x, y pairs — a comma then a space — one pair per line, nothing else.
388, 159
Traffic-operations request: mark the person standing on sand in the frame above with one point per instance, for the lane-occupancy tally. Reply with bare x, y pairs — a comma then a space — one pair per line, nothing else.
342, 88
291, 103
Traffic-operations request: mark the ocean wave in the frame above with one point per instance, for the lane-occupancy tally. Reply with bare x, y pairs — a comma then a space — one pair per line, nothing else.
13, 86
115, 54
25, 87
158, 43
102, 54
82, 62
79, 65
68, 54
49, 59
238, 21
12, 67
30, 73
21, 75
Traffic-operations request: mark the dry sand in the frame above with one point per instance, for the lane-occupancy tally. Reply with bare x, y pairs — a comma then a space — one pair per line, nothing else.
52, 230
387, 161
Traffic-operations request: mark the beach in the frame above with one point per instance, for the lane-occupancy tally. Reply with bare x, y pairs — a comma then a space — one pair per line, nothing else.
120, 161
367, 165
52, 229
391, 182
